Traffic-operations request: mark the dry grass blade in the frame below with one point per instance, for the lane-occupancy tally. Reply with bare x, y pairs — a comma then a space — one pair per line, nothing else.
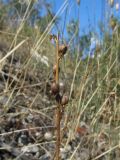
50, 25
106, 152
98, 87
26, 129
14, 49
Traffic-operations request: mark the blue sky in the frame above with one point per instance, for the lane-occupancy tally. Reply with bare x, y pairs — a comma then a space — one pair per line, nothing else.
91, 13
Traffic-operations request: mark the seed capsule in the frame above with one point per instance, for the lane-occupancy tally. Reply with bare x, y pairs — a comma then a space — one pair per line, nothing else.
62, 50
58, 98
54, 69
55, 88
64, 100
112, 24
52, 36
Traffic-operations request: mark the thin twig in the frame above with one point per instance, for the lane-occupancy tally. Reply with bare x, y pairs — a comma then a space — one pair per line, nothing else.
58, 112
26, 129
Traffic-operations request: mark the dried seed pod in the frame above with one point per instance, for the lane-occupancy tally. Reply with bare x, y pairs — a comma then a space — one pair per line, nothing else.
52, 36
54, 69
55, 88
62, 88
113, 23
62, 50
58, 98
64, 100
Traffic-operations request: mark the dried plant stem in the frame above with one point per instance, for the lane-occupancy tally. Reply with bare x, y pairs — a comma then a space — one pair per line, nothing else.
58, 141
57, 59
58, 111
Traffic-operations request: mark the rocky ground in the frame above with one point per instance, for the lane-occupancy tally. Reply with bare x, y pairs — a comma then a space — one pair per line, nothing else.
27, 121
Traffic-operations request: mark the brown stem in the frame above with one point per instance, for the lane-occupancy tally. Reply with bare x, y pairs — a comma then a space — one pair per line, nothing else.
57, 59
58, 133
58, 110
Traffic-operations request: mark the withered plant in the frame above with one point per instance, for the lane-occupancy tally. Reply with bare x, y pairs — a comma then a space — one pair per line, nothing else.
61, 99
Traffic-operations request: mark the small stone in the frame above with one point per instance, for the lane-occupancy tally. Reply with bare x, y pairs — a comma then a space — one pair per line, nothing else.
63, 153
23, 140
68, 148
48, 136
34, 149
38, 134
84, 154
30, 149
37, 155
45, 157
30, 118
